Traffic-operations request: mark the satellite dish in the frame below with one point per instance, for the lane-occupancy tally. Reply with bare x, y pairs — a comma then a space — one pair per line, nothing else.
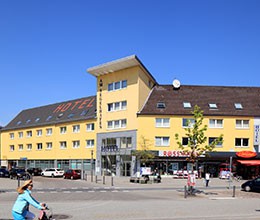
176, 84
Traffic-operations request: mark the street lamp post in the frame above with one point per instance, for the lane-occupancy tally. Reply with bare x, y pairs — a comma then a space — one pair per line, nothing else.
91, 165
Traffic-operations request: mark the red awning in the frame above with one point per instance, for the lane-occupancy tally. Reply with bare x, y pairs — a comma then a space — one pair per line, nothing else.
249, 162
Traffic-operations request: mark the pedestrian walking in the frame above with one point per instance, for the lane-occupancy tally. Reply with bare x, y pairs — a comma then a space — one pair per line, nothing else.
207, 177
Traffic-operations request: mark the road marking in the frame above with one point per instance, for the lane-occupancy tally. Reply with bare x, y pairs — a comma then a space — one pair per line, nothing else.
78, 191
220, 198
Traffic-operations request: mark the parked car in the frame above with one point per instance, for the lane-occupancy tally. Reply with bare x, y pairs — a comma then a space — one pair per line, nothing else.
53, 172
4, 172
251, 185
34, 171
72, 174
18, 172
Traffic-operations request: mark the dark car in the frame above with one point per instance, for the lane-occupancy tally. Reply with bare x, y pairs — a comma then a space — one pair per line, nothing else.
251, 185
20, 173
72, 174
34, 171
4, 172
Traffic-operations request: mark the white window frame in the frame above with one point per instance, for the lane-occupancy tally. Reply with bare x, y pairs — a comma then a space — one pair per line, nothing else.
63, 145
39, 146
219, 144
242, 141
116, 106
48, 131
20, 134
29, 146
49, 145
125, 142
76, 144
90, 127
11, 147
63, 130
186, 105
20, 147
191, 122
76, 128
11, 135
29, 134
39, 133
162, 141
90, 143
117, 85
242, 124
162, 122
215, 123
117, 124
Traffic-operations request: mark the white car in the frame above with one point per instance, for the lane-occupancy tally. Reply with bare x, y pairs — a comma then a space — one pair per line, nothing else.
53, 172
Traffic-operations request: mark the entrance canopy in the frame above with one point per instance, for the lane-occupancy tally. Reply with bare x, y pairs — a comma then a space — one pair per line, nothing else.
249, 162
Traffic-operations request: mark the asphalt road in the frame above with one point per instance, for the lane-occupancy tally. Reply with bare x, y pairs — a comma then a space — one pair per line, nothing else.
124, 201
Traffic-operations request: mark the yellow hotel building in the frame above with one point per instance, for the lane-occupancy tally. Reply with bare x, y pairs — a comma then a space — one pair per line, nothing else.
130, 106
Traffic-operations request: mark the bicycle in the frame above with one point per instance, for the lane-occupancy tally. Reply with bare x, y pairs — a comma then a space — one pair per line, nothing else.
236, 177
45, 214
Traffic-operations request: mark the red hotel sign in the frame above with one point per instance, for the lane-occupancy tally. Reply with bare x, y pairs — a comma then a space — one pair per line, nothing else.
173, 153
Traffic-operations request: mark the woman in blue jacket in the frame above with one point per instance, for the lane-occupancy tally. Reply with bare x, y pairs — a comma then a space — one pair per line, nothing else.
21, 206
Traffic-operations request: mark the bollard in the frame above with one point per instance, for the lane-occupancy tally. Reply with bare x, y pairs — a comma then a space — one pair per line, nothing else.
185, 192
104, 179
112, 181
234, 191
18, 179
96, 179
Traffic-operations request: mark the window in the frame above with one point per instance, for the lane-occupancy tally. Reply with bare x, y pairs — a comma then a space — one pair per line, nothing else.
125, 142
29, 146
63, 144
162, 122
242, 124
213, 106
185, 141
186, 105
71, 115
49, 145
75, 144
37, 119
48, 118
63, 130
39, 146
29, 133
241, 142
49, 131
20, 134
39, 133
161, 105
215, 123
91, 127
108, 141
28, 121
20, 147
116, 106
211, 139
238, 106
117, 85
116, 124
11, 135
188, 122
162, 141
76, 128
90, 143
18, 123
11, 147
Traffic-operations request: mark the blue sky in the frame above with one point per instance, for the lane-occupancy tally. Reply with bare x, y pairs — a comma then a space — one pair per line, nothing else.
46, 46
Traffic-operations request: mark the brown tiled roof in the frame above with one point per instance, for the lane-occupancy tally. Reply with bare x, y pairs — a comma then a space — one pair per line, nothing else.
68, 111
223, 96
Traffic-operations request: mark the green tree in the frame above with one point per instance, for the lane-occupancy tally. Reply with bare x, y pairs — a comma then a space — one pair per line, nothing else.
144, 154
197, 141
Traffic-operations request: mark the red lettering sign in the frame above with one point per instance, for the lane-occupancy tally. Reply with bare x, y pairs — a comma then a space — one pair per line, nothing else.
79, 104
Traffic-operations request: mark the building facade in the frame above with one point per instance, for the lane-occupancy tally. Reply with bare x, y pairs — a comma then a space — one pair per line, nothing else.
128, 108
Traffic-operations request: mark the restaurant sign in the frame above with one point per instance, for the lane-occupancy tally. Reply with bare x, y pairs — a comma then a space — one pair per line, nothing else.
173, 153
246, 154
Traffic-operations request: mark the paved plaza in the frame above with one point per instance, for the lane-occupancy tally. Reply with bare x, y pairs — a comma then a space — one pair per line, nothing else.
118, 199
